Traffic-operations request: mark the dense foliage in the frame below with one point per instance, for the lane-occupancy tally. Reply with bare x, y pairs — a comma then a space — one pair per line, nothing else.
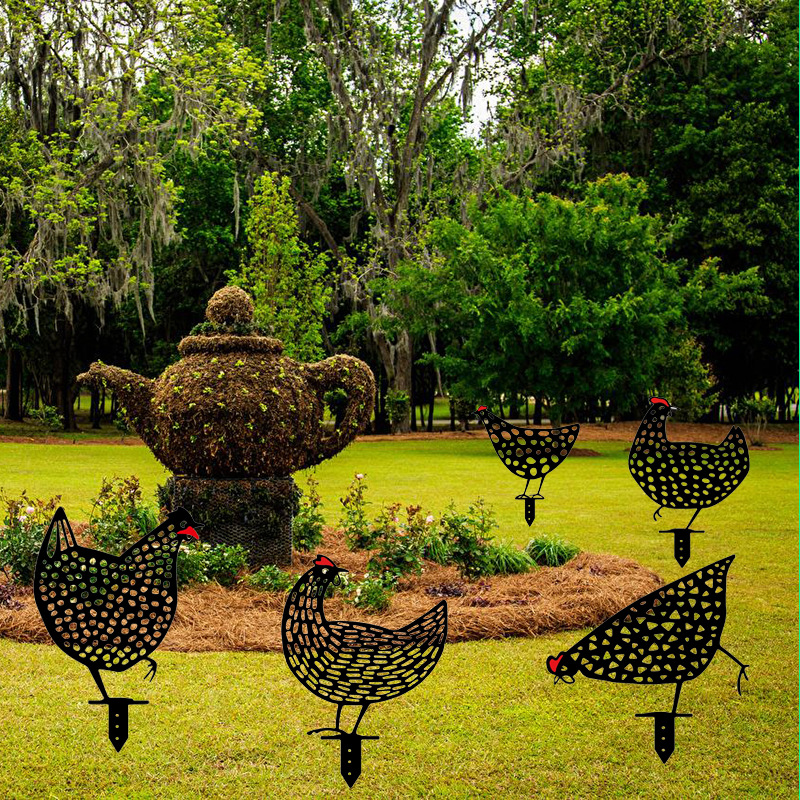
623, 219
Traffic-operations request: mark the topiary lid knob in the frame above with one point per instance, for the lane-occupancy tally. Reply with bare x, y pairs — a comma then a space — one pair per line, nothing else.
228, 306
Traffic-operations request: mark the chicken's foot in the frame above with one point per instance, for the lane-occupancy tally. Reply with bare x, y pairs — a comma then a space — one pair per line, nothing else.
151, 673
742, 668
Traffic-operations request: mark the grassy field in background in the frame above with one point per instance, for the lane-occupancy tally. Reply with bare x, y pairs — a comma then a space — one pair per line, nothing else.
488, 722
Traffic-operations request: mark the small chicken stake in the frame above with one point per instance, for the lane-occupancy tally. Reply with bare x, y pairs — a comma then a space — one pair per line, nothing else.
684, 475
528, 452
110, 612
354, 663
667, 636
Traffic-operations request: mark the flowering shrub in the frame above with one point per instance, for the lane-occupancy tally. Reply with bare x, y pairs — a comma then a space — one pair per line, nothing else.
468, 538
271, 579
26, 523
204, 562
307, 524
354, 522
119, 518
399, 543
374, 593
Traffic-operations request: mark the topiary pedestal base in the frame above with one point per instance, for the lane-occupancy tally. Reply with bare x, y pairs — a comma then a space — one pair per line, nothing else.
256, 514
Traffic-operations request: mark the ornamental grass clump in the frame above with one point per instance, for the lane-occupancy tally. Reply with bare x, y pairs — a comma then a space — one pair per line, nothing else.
551, 551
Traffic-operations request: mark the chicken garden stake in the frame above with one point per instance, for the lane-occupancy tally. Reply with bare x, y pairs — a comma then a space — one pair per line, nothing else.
110, 612
354, 663
684, 475
528, 452
667, 636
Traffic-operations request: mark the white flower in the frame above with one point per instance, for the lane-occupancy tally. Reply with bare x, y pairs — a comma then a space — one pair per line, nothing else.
359, 476
429, 519
23, 518
30, 510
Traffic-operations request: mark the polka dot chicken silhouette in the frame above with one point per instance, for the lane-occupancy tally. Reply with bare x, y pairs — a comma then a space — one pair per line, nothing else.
666, 637
110, 612
354, 663
684, 475
530, 453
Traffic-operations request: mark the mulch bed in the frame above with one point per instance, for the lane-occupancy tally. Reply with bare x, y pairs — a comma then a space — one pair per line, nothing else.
581, 594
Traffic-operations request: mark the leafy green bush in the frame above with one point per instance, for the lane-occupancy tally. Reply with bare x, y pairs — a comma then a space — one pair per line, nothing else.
754, 413
48, 416
468, 537
398, 405
399, 543
505, 559
551, 551
271, 579
192, 563
26, 523
225, 562
307, 524
374, 593
354, 522
119, 518
204, 562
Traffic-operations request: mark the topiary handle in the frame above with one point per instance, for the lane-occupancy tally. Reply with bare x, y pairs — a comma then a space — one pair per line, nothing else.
356, 379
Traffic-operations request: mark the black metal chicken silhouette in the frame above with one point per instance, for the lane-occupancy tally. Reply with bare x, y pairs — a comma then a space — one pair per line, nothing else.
354, 663
667, 636
684, 475
110, 612
528, 452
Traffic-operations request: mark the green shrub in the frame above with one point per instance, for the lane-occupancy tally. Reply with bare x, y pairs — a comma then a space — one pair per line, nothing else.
225, 562
119, 518
354, 520
506, 559
26, 522
468, 537
399, 543
307, 524
204, 562
434, 546
551, 551
192, 563
48, 416
374, 593
271, 579
754, 413
398, 406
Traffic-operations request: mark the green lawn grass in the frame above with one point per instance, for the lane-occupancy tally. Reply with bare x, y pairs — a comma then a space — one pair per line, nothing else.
488, 722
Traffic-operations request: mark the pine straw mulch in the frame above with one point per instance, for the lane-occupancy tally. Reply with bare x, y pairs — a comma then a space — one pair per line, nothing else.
583, 593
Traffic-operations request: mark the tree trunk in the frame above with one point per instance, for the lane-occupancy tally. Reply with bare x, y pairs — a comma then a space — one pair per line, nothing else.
65, 383
94, 408
537, 411
14, 385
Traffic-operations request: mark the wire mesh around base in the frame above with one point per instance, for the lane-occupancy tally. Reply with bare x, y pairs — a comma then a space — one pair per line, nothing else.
256, 514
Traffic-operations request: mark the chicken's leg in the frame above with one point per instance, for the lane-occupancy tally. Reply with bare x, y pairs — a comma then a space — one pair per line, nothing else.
524, 494
99, 681
364, 707
742, 668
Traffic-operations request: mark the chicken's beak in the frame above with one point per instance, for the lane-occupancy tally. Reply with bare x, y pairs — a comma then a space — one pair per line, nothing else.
673, 409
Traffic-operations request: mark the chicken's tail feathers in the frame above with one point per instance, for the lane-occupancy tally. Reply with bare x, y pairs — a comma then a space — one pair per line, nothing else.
431, 625
59, 526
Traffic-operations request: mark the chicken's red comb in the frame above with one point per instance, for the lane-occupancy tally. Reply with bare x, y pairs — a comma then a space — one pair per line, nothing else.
483, 408
324, 561
659, 400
